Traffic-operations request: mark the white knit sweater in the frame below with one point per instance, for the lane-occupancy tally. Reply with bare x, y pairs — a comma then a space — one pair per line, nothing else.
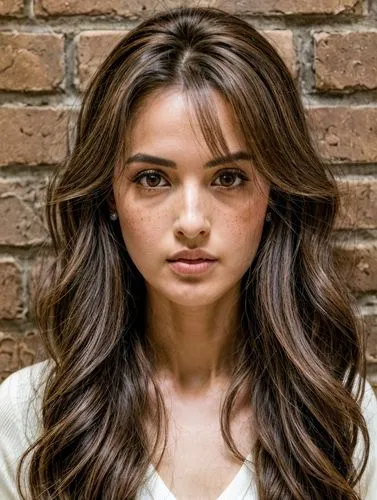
20, 426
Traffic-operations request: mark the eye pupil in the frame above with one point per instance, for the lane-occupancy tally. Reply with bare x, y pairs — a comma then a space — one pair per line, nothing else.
229, 176
155, 177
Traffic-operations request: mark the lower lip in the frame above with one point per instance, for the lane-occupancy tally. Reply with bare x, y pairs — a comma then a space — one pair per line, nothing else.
193, 267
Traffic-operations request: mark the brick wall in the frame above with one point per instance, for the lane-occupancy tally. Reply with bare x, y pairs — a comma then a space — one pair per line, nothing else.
50, 48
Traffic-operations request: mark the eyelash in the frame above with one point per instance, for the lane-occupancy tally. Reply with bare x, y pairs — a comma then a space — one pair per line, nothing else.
233, 171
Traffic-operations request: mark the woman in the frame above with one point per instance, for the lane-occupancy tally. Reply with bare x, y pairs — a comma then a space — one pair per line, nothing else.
201, 344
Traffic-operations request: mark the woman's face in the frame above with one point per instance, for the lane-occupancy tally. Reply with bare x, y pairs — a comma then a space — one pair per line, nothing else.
188, 206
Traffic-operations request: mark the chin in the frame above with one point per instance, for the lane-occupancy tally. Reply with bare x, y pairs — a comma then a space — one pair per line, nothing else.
194, 294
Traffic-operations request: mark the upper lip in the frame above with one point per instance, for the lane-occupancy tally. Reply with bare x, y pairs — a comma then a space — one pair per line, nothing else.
192, 255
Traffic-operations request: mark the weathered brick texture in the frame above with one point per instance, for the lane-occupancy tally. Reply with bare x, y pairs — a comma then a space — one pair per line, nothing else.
30, 61
10, 290
22, 211
346, 60
32, 135
295, 7
358, 203
345, 134
92, 49
147, 7
11, 7
18, 350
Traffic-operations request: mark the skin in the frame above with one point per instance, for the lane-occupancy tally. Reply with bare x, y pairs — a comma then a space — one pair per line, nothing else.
190, 319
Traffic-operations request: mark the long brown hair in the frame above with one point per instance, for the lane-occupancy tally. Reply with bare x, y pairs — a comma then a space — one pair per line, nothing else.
301, 345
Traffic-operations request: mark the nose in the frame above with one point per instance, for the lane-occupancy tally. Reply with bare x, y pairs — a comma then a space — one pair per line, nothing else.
193, 218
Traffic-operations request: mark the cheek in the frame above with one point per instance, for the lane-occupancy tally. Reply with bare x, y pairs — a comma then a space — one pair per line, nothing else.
135, 229
141, 233
244, 232
245, 237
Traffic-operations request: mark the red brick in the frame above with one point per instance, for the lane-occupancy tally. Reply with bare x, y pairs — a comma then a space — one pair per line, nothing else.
11, 7
92, 49
148, 7
32, 135
345, 134
10, 290
345, 60
357, 263
358, 203
22, 212
31, 61
18, 350
283, 42
297, 6
88, 7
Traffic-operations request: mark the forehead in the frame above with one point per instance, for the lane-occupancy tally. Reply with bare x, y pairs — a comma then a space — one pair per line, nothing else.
166, 119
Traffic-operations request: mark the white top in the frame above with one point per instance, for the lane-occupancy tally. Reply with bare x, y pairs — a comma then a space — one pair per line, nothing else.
20, 426
241, 487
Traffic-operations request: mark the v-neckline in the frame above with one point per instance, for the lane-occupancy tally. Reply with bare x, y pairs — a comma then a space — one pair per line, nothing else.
236, 485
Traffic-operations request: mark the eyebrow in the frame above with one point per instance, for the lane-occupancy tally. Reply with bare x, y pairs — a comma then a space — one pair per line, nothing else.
145, 158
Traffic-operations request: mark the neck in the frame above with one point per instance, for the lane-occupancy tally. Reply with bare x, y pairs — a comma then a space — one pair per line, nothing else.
193, 346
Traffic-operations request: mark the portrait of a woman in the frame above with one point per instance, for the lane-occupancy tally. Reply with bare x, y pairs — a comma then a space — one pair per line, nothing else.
202, 344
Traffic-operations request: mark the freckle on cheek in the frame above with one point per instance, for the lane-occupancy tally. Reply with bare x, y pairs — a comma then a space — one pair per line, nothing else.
131, 223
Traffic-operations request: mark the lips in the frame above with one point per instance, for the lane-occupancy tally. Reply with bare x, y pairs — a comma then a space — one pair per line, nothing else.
196, 254
192, 261
189, 266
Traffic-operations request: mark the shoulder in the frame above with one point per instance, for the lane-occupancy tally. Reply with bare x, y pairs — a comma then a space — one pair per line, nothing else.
20, 420
24, 376
20, 396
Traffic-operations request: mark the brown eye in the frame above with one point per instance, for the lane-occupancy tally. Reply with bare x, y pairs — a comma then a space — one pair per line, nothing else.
229, 178
152, 177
